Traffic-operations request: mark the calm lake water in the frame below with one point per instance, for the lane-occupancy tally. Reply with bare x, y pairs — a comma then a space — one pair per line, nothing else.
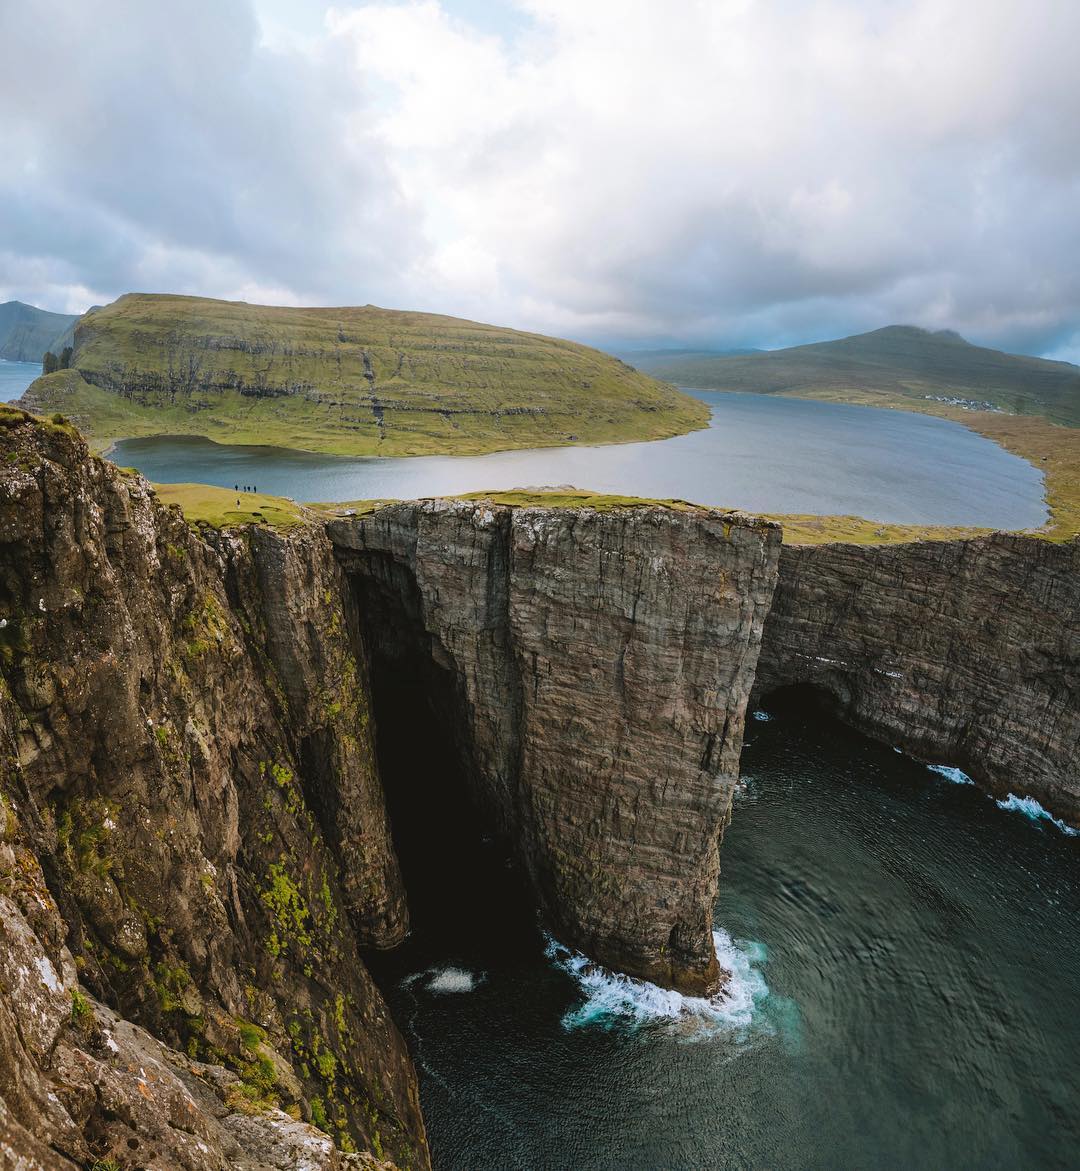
15, 377
759, 453
907, 971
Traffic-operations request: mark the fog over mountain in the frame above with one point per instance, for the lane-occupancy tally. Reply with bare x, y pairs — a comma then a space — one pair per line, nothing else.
705, 175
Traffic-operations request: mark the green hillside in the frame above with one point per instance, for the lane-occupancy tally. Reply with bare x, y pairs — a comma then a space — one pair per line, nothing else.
26, 333
897, 360
361, 381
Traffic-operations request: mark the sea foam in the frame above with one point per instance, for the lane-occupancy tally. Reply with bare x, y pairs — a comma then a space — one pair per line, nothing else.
444, 981
956, 775
613, 999
1029, 807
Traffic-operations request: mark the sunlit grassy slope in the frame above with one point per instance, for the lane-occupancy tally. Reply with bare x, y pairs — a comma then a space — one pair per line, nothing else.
204, 504
898, 360
361, 381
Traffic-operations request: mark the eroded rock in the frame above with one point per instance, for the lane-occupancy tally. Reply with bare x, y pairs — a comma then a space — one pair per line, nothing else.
599, 665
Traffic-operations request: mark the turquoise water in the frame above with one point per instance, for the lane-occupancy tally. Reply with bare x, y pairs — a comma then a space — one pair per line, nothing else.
758, 453
906, 978
15, 377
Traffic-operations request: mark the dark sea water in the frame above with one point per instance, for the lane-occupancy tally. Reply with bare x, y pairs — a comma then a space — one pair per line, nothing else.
759, 453
15, 377
906, 984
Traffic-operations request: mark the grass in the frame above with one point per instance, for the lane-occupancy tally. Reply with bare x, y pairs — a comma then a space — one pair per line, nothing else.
1050, 447
895, 361
221, 508
909, 369
362, 381
571, 498
807, 529
520, 498
857, 530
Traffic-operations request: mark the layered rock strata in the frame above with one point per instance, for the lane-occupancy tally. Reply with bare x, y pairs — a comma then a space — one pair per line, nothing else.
172, 855
594, 669
959, 652
194, 836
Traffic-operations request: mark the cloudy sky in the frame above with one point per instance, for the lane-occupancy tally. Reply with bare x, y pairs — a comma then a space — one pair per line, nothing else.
629, 172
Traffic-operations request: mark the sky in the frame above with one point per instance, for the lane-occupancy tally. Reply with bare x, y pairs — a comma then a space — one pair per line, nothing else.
634, 173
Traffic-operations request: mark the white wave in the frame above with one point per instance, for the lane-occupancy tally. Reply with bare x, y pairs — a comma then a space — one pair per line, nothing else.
764, 717
957, 776
1029, 807
445, 980
744, 792
612, 998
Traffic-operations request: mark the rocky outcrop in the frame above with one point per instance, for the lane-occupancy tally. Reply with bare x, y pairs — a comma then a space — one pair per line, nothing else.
194, 783
592, 669
194, 838
959, 652
188, 765
80, 1086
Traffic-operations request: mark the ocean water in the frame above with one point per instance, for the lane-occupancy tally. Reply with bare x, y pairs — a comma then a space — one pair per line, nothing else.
758, 453
906, 975
15, 377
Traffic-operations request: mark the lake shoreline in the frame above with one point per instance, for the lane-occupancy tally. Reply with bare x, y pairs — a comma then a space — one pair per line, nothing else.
775, 456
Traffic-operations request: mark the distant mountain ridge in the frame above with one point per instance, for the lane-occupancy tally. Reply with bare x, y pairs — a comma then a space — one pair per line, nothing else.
26, 332
896, 359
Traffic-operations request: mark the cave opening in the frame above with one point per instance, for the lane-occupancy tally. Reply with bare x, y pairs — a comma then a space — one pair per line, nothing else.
464, 893
805, 700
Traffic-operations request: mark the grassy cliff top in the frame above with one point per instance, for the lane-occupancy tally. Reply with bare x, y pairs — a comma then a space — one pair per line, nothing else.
900, 360
798, 530
351, 381
225, 509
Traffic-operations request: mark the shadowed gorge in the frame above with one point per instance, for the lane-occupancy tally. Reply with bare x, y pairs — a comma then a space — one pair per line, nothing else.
217, 743
558, 629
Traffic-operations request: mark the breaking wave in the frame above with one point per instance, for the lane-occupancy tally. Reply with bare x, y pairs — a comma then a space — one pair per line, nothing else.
444, 981
762, 716
613, 999
1029, 807
956, 775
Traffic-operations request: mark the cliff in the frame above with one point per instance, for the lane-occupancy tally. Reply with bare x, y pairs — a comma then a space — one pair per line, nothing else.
349, 381
590, 670
195, 839
959, 652
196, 843
201, 735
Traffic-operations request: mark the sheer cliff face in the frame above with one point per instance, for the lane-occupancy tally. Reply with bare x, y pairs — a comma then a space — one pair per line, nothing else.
593, 672
173, 862
194, 840
962, 652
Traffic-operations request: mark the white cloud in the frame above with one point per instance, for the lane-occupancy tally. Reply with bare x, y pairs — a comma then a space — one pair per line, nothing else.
756, 171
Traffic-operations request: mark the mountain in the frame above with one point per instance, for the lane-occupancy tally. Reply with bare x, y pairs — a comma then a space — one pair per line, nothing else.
636, 357
26, 332
899, 359
353, 381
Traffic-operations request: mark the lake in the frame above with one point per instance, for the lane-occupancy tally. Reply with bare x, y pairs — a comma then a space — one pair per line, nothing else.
15, 377
906, 971
759, 453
